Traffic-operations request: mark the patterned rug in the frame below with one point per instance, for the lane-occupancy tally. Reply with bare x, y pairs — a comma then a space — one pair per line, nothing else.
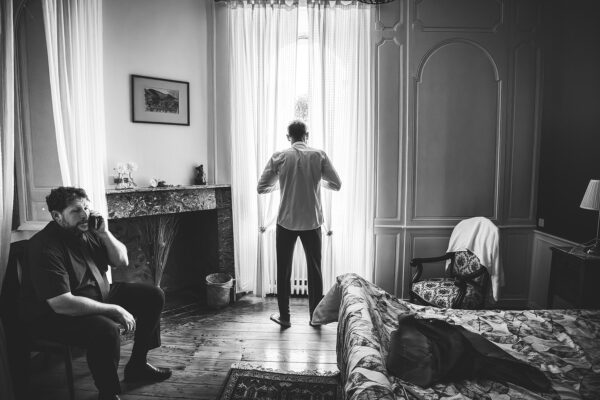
247, 382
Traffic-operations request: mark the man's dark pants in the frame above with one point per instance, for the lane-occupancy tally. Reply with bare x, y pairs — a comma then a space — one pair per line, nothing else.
99, 335
285, 243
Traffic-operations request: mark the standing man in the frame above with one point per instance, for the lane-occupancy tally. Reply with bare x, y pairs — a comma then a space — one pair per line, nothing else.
300, 172
67, 298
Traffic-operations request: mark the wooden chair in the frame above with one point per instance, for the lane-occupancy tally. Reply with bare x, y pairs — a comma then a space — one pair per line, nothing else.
20, 345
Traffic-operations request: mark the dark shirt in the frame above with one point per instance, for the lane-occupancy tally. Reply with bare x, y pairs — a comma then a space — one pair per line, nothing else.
427, 351
55, 265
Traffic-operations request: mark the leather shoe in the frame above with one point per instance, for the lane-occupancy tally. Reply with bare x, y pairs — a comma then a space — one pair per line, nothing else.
146, 372
103, 396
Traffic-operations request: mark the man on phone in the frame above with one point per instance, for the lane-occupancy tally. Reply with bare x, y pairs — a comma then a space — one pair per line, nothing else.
67, 297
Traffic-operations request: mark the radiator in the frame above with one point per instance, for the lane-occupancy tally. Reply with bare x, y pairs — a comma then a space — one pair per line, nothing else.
299, 279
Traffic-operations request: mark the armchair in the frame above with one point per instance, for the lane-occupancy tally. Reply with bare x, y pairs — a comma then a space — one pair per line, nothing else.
465, 286
472, 268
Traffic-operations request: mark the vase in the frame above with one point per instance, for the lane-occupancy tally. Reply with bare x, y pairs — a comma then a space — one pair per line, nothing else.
130, 181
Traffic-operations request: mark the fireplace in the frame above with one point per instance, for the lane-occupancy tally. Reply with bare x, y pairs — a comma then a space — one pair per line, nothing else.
187, 230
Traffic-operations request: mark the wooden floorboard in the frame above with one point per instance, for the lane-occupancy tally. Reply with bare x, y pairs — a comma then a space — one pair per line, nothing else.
200, 345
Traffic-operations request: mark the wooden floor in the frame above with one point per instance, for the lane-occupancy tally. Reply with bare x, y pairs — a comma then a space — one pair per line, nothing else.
200, 345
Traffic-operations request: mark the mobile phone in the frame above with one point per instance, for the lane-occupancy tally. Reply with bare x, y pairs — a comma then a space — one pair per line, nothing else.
94, 222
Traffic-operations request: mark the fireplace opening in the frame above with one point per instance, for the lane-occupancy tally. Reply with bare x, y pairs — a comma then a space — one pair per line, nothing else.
193, 252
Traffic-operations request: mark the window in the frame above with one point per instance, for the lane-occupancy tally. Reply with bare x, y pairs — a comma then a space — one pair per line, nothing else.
302, 72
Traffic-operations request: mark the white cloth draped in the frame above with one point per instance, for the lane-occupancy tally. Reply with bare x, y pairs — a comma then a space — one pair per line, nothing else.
74, 42
481, 237
7, 152
263, 48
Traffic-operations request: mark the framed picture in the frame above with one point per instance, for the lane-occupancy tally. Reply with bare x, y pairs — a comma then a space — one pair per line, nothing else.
159, 101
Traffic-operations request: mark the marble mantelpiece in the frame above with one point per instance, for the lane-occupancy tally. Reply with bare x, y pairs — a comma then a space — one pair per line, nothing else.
143, 202
139, 202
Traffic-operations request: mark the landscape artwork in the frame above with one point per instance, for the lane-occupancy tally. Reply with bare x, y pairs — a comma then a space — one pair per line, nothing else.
161, 100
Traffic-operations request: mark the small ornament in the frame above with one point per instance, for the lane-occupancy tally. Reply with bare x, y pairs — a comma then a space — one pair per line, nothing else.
123, 175
131, 166
200, 177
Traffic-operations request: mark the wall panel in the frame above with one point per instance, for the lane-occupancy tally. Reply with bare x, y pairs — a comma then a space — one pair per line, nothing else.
465, 109
389, 156
528, 15
388, 258
425, 243
444, 15
390, 61
524, 133
571, 117
455, 133
516, 260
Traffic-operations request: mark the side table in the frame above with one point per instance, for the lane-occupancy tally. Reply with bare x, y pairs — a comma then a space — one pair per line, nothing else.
574, 277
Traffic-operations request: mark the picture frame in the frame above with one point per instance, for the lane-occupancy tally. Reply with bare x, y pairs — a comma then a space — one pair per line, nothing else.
160, 101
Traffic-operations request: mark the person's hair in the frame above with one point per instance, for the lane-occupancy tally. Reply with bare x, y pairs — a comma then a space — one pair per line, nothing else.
297, 130
60, 197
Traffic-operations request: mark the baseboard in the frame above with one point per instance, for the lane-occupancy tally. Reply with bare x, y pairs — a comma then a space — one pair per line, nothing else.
511, 304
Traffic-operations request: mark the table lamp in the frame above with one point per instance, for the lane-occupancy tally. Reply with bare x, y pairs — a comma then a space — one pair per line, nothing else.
591, 201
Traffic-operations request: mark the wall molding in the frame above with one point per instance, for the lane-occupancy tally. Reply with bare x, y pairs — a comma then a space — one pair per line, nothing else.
414, 133
514, 130
388, 252
402, 226
418, 22
390, 66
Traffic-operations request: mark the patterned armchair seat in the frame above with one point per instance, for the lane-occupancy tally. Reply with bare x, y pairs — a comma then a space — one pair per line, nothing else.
465, 286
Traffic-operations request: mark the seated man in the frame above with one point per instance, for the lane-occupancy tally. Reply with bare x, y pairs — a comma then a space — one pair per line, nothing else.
67, 298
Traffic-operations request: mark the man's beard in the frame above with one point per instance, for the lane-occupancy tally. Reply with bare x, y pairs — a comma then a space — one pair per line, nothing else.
75, 230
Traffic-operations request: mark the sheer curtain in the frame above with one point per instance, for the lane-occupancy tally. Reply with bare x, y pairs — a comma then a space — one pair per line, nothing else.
74, 41
7, 140
7, 152
262, 69
263, 52
341, 121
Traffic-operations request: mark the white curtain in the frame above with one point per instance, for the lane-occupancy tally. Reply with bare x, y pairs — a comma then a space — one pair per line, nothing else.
340, 117
74, 41
262, 69
7, 152
7, 131
263, 52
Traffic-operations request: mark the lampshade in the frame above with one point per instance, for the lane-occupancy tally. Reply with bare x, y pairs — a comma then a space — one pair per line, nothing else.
591, 198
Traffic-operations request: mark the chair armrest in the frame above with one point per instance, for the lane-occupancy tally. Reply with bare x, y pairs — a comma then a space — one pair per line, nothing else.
416, 261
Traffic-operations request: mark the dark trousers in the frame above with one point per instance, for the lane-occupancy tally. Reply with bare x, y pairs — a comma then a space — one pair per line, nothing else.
100, 336
285, 243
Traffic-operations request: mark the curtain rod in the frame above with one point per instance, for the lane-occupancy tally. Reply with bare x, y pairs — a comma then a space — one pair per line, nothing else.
302, 2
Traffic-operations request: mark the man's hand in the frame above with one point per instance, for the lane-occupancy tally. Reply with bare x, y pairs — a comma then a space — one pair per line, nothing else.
124, 318
76, 306
117, 252
103, 227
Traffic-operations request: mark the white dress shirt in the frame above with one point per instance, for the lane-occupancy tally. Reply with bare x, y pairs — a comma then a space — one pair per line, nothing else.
299, 171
